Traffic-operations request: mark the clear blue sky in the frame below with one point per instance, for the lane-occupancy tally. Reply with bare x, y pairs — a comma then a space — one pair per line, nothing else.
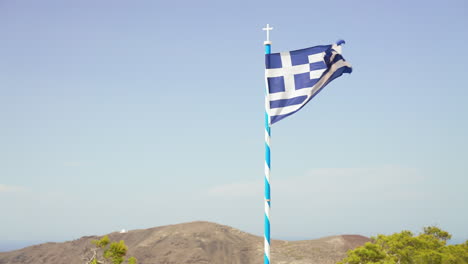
134, 114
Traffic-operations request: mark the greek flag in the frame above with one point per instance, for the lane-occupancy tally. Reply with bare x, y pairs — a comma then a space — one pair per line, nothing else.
295, 77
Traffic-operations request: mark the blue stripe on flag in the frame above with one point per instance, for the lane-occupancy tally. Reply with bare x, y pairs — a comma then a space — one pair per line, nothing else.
319, 65
299, 57
288, 102
277, 118
303, 80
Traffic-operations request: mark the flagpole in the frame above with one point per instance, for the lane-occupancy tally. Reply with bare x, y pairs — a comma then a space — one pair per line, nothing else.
266, 258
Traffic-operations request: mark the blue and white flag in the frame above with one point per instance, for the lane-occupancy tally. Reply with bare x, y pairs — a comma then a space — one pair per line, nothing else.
295, 77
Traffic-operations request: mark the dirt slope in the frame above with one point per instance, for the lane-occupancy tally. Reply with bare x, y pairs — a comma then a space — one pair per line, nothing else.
193, 243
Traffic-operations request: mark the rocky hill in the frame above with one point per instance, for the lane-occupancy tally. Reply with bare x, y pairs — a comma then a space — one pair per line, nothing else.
193, 243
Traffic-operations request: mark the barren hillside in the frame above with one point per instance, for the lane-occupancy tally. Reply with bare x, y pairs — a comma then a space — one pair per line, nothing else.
194, 243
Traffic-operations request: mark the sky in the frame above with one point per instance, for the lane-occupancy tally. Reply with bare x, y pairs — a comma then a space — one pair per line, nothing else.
135, 114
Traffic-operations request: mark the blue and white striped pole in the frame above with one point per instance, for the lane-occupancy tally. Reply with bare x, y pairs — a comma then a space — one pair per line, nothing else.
267, 44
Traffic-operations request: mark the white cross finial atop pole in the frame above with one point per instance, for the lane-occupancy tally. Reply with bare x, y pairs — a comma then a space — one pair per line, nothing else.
267, 29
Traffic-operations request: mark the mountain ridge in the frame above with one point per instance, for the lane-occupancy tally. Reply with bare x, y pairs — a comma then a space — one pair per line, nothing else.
198, 242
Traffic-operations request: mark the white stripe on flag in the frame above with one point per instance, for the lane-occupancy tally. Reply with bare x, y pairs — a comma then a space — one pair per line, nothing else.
316, 74
316, 57
279, 96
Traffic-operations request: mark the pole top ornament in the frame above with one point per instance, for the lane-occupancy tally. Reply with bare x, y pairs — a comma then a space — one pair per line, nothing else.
267, 29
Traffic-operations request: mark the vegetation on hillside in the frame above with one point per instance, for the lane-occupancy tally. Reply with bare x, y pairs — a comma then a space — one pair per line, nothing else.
107, 252
429, 247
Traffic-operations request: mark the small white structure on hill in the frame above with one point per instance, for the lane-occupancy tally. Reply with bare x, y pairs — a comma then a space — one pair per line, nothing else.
123, 231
